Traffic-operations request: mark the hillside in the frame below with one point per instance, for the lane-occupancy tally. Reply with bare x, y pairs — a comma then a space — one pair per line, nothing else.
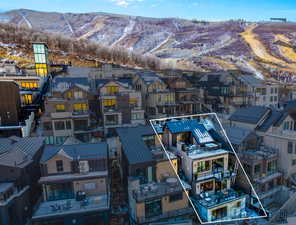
262, 48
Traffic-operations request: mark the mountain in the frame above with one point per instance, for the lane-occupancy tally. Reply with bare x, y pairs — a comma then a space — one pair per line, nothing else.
266, 49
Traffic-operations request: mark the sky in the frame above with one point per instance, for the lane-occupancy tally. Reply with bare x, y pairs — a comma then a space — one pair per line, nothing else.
212, 10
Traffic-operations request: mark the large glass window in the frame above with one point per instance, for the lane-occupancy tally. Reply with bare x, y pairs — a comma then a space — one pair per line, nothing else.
80, 107
41, 69
153, 208
176, 197
60, 108
112, 90
59, 166
28, 99
59, 125
203, 166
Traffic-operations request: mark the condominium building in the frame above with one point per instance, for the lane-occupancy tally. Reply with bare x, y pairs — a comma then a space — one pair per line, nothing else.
154, 192
75, 185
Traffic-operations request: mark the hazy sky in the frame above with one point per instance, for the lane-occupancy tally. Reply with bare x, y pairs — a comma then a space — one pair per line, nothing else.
252, 10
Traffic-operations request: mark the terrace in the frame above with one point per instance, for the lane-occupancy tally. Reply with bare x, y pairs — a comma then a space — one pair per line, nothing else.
71, 206
198, 152
154, 190
218, 198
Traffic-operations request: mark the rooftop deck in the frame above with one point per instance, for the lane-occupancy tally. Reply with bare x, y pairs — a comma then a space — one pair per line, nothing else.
218, 198
71, 206
154, 190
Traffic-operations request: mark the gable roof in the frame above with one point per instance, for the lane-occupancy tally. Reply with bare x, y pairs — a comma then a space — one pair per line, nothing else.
62, 84
149, 77
133, 145
79, 151
254, 114
250, 115
250, 80
237, 134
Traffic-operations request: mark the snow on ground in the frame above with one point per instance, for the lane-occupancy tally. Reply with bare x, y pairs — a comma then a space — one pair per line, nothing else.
161, 43
68, 24
127, 30
26, 20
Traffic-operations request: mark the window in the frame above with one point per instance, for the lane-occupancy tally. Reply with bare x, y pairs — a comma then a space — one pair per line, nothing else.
59, 125
203, 166
176, 197
59, 165
137, 116
271, 98
111, 119
28, 99
109, 102
41, 69
112, 90
80, 107
238, 204
153, 208
30, 85
69, 94
149, 140
207, 186
293, 162
290, 147
78, 94
257, 169
60, 108
68, 125
272, 166
90, 186
133, 101
286, 125
47, 126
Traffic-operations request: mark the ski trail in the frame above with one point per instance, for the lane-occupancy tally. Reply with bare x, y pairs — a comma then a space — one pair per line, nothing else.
127, 30
160, 44
68, 24
86, 24
26, 20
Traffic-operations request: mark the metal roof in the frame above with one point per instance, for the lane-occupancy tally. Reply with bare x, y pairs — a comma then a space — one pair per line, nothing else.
198, 130
133, 145
237, 134
81, 151
249, 115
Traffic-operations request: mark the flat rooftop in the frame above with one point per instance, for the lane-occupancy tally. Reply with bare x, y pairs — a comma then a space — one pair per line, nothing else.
153, 190
71, 206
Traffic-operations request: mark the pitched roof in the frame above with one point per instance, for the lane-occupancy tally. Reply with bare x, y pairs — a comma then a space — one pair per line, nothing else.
62, 84
237, 134
134, 147
249, 115
5, 144
148, 77
250, 80
254, 114
81, 151
21, 152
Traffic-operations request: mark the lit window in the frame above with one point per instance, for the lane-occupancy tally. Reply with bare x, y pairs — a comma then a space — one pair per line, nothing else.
60, 108
41, 69
28, 99
69, 94
78, 94
80, 107
109, 102
112, 89
133, 101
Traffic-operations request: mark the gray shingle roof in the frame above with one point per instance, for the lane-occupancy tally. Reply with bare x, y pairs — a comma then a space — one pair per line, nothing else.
237, 134
254, 114
133, 146
249, 115
81, 151
5, 145
250, 80
20, 153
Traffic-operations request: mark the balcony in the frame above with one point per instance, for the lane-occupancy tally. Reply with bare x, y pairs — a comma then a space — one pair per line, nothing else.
53, 209
198, 152
218, 173
170, 214
220, 197
154, 190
